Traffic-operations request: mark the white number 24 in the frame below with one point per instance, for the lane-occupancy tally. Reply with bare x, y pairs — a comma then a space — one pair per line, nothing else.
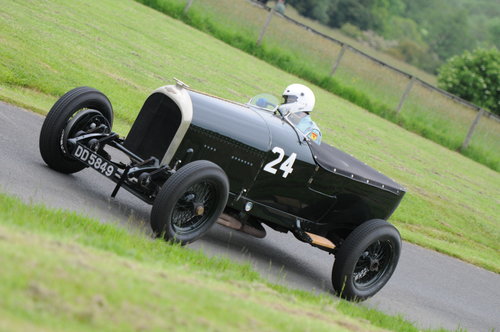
286, 166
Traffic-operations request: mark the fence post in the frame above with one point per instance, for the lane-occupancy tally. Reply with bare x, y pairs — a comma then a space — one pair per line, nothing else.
337, 61
473, 126
264, 28
188, 5
405, 94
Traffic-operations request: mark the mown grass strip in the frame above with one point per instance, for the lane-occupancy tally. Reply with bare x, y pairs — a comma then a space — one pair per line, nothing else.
68, 272
307, 69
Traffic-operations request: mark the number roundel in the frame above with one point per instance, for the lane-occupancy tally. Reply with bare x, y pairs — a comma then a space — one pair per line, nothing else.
286, 166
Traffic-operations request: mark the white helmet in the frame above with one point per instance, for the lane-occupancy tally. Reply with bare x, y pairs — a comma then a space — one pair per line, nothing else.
298, 98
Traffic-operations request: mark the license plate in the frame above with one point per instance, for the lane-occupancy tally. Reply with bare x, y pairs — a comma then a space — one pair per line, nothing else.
92, 159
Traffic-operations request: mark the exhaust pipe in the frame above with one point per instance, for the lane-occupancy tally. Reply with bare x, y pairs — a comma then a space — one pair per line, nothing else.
233, 223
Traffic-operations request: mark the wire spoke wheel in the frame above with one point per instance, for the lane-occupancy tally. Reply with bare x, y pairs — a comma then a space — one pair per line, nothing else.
373, 264
190, 202
194, 207
366, 260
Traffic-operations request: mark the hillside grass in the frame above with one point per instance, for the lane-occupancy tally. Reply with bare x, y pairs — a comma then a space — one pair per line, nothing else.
127, 50
70, 273
358, 79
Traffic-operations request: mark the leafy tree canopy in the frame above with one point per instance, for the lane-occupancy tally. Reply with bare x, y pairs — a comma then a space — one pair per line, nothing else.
474, 76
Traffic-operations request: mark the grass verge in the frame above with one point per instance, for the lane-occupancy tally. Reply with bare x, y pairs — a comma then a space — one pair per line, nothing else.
364, 83
127, 50
70, 273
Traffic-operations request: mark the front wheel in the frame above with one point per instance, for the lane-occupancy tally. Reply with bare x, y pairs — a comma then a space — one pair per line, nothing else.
366, 260
190, 202
78, 111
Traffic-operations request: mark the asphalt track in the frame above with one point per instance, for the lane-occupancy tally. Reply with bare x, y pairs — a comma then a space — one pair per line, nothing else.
429, 289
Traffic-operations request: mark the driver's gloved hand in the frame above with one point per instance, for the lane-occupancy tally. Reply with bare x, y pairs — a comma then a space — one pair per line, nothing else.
284, 109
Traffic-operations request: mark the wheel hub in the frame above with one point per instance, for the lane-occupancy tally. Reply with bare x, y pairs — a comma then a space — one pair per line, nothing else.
374, 264
191, 201
199, 209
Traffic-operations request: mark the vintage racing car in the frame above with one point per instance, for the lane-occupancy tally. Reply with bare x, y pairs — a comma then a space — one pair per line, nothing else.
199, 159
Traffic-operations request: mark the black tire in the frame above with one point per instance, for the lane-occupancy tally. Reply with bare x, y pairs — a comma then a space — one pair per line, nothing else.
198, 187
52, 147
366, 260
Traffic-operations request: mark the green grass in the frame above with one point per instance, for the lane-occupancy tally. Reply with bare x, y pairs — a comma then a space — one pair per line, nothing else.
70, 273
358, 79
127, 50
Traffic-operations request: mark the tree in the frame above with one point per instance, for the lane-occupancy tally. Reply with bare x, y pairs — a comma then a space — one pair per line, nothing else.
474, 76
315, 9
356, 12
450, 35
336, 13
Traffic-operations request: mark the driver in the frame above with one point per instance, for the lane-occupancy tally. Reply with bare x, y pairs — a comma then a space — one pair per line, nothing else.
299, 103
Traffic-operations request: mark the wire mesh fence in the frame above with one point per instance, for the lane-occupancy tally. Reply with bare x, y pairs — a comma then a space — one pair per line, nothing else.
421, 106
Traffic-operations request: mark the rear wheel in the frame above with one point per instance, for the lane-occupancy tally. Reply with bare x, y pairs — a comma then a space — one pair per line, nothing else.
190, 202
79, 110
366, 260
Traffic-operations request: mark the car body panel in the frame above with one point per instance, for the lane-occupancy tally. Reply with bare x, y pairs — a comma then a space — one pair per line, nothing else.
315, 193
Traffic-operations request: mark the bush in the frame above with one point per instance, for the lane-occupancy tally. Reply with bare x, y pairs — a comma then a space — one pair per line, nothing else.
280, 8
474, 76
352, 31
